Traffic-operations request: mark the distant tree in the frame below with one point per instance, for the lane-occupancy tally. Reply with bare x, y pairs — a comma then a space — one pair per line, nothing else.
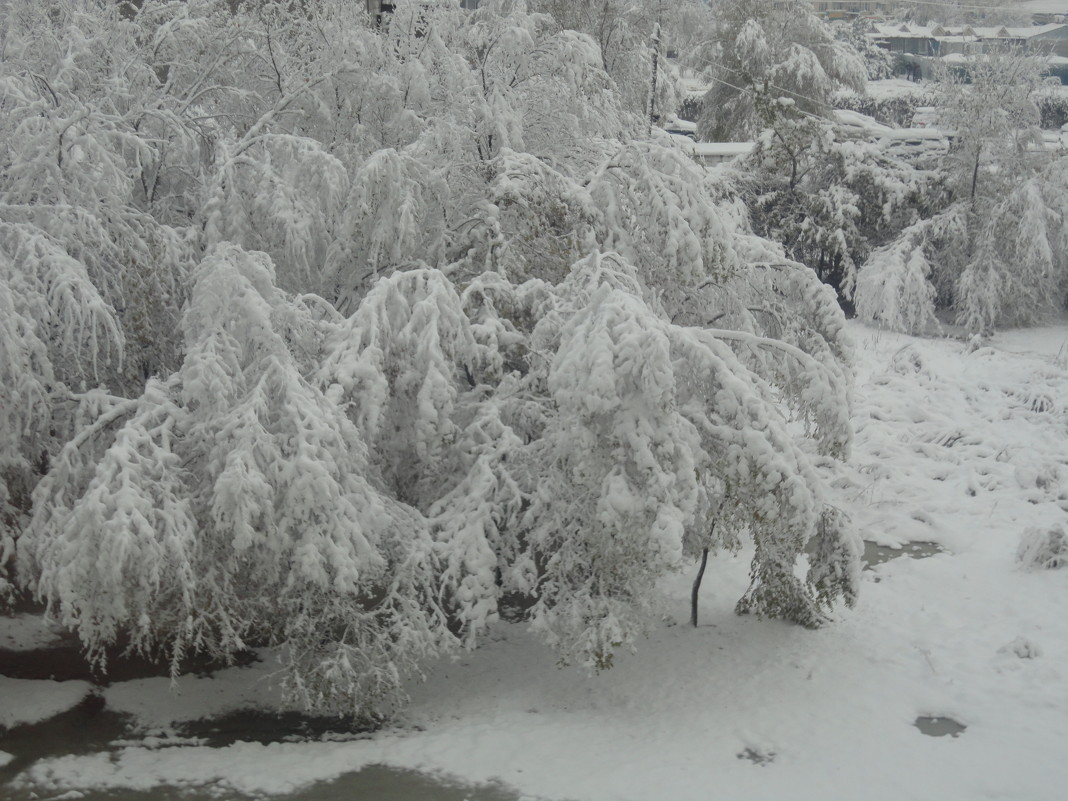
991, 251
767, 60
879, 62
830, 197
625, 32
989, 104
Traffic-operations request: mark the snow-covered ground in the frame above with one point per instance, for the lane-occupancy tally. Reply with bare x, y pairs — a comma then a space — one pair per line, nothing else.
29, 701
963, 445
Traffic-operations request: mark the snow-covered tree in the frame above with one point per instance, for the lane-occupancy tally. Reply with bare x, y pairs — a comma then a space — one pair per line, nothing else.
989, 104
895, 288
992, 249
664, 444
234, 504
879, 63
831, 198
448, 333
632, 52
768, 59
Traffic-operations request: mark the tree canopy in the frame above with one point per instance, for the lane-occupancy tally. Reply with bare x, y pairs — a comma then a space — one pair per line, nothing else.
330, 337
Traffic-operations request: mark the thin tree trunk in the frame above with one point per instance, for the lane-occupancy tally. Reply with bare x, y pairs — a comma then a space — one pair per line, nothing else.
697, 588
975, 173
652, 89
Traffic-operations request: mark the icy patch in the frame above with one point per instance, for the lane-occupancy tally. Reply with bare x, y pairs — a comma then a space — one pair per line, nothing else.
877, 554
25, 701
934, 726
5, 758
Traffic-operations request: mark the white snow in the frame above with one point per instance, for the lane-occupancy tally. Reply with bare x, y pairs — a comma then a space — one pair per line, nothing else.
30, 700
155, 702
5, 758
965, 445
1045, 7
27, 633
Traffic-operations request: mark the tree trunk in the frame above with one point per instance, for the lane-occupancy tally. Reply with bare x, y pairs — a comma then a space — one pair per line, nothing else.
652, 89
697, 588
975, 172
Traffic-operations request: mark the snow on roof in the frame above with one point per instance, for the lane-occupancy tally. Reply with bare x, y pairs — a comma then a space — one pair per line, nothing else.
908, 31
673, 123
707, 149
1028, 32
905, 30
913, 134
855, 119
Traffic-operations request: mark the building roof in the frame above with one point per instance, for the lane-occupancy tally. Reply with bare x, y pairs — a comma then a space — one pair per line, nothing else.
907, 30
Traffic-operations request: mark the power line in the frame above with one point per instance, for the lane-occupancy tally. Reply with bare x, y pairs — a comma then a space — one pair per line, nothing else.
1017, 9
753, 93
798, 95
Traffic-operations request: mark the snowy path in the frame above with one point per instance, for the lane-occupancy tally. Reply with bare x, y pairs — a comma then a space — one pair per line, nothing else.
965, 449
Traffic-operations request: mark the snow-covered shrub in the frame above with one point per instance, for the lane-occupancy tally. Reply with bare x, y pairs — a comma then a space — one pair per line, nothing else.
662, 435
233, 505
1021, 648
1043, 548
899, 285
894, 110
894, 289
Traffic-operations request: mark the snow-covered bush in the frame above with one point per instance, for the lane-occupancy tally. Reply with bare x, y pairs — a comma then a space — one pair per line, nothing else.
894, 110
1043, 548
895, 290
234, 504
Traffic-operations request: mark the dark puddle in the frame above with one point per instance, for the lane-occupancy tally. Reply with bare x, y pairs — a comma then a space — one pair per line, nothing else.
373, 783
939, 726
65, 661
877, 554
270, 727
382, 783
757, 757
90, 728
